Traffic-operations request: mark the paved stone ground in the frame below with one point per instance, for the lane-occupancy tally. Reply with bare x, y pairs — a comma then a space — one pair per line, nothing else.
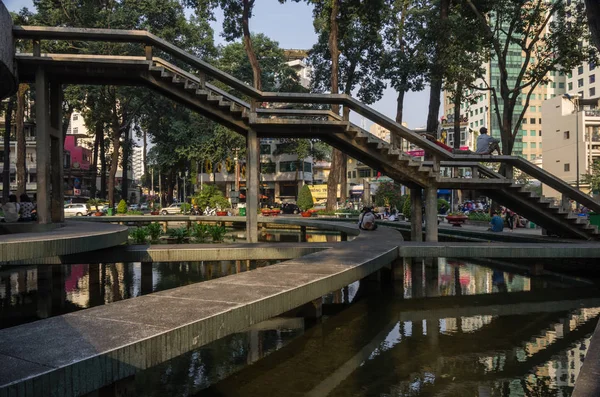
79, 352
73, 237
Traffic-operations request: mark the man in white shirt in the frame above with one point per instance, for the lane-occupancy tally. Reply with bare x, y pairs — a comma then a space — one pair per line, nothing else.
486, 144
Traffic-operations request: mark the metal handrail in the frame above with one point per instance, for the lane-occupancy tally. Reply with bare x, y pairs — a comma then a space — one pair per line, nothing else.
149, 39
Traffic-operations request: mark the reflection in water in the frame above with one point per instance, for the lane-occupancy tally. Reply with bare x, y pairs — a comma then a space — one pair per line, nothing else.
448, 328
32, 293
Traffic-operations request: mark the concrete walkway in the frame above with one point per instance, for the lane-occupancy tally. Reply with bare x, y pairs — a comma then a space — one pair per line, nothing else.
78, 353
72, 238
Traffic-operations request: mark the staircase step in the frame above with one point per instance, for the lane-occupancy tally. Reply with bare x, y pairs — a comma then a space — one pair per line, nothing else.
190, 85
214, 98
166, 74
202, 93
236, 109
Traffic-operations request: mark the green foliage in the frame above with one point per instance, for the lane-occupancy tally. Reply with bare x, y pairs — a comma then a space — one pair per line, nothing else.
122, 207
479, 216
155, 231
593, 178
94, 202
388, 194
132, 212
305, 198
217, 233
185, 208
441, 204
200, 232
351, 212
211, 196
139, 235
220, 202
406, 207
179, 234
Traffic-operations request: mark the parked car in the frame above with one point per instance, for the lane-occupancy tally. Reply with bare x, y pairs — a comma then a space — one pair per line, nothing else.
289, 208
133, 207
174, 208
76, 210
144, 206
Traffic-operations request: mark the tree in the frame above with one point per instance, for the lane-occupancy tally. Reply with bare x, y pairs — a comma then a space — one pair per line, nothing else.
593, 178
593, 13
305, 199
405, 59
548, 35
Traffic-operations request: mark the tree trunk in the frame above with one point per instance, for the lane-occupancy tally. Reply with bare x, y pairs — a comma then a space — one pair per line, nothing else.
102, 166
98, 133
593, 12
248, 44
336, 155
21, 143
114, 158
437, 73
396, 141
144, 151
125, 166
457, 101
6, 165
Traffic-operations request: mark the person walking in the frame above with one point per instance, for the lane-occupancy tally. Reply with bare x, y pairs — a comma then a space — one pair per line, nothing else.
486, 144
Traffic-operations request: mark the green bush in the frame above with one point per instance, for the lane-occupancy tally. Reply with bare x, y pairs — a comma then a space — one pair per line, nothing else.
217, 233
186, 207
305, 199
200, 232
94, 203
389, 194
220, 202
479, 216
179, 234
122, 207
155, 231
406, 208
139, 235
134, 212
441, 203
211, 196
351, 212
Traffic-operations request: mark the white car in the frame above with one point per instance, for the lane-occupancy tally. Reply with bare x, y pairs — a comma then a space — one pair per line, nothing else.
174, 208
76, 210
134, 207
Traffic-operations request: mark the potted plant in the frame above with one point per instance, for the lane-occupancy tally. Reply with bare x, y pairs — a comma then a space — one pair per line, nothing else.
456, 218
94, 203
305, 201
221, 204
122, 207
155, 209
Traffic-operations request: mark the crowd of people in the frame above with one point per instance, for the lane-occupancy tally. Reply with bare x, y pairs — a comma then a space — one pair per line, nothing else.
19, 211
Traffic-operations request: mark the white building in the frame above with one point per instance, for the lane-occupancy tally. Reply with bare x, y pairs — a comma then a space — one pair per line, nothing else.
582, 81
571, 139
137, 163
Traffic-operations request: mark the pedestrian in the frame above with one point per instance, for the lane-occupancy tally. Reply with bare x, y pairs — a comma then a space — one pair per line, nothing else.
366, 221
486, 144
11, 209
510, 219
26, 208
497, 224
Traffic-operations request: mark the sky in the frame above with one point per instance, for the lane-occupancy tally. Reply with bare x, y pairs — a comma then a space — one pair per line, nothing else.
290, 24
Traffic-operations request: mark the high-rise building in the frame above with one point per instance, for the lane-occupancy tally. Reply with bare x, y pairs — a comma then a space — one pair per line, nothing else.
582, 81
137, 163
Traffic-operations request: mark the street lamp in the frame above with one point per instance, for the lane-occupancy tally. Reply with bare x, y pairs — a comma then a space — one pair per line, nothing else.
575, 101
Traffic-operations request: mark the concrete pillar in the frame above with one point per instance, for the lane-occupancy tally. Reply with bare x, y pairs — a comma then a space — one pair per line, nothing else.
416, 271
416, 215
56, 153
431, 232
94, 285
44, 291
433, 332
344, 236
302, 234
398, 277
254, 346
147, 282
431, 277
43, 162
252, 180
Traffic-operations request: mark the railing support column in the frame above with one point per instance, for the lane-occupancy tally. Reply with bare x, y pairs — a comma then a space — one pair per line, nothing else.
416, 215
43, 164
148, 52
565, 203
431, 224
252, 181
56, 153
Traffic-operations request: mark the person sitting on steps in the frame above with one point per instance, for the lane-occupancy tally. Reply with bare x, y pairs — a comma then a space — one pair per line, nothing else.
486, 144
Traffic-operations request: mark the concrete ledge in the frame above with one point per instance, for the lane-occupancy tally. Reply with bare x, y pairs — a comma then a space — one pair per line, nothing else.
587, 384
186, 253
27, 227
74, 237
7, 53
88, 349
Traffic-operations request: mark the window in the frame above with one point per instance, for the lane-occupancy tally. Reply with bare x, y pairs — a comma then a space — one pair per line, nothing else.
287, 166
580, 70
580, 83
570, 86
553, 85
524, 145
592, 78
532, 108
307, 167
540, 120
533, 145
476, 111
349, 174
592, 66
532, 120
524, 121
354, 174
561, 86
566, 135
267, 168
265, 149
75, 116
567, 167
592, 92
364, 173
532, 133
540, 133
75, 130
540, 145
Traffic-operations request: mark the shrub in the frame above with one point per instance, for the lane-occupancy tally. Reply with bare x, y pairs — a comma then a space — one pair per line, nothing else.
211, 196
442, 206
155, 230
217, 233
406, 208
220, 202
351, 212
477, 216
305, 199
186, 207
200, 232
178, 234
94, 203
134, 212
325, 212
388, 193
139, 235
122, 207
